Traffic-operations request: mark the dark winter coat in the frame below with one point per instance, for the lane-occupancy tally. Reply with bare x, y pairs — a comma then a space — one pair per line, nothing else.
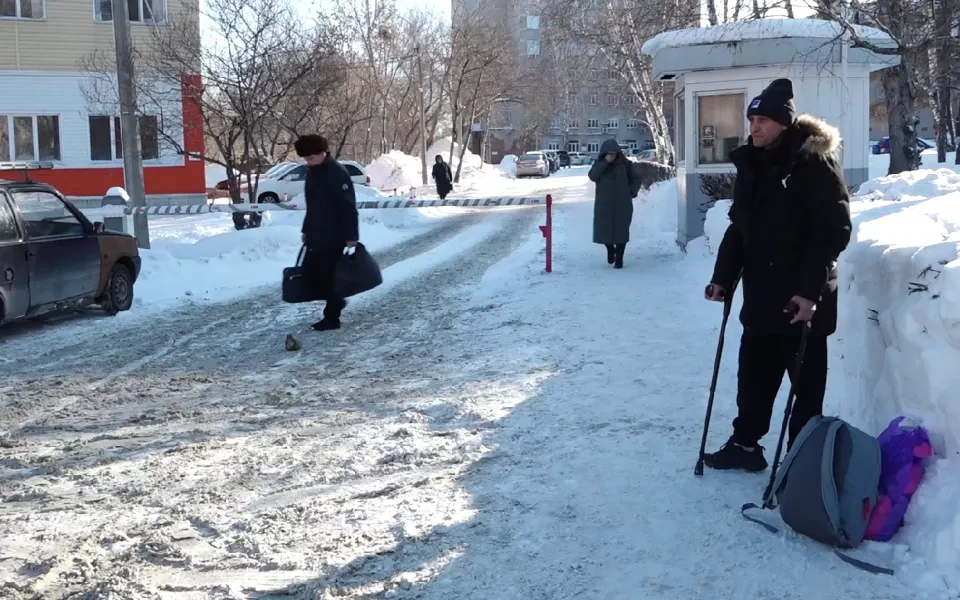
790, 220
443, 178
613, 202
332, 219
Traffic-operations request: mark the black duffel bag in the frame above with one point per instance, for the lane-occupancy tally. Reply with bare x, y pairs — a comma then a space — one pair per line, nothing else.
296, 286
357, 272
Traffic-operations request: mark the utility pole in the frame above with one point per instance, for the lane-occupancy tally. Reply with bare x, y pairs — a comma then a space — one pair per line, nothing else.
132, 165
423, 124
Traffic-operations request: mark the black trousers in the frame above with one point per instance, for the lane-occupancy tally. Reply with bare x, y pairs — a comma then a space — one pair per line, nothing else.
763, 361
320, 264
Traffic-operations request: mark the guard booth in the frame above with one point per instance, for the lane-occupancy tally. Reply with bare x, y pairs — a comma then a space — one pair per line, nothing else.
718, 70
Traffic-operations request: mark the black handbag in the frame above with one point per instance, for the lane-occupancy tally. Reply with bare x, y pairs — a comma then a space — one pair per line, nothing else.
356, 273
296, 287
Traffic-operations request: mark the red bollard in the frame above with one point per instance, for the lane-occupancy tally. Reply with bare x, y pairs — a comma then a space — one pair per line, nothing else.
547, 231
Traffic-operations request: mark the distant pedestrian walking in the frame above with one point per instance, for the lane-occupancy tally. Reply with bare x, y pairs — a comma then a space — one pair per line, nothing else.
443, 177
613, 202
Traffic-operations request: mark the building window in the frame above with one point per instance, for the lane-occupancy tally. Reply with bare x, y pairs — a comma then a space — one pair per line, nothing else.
612, 100
573, 146
105, 141
630, 100
613, 124
553, 146
593, 147
632, 124
29, 137
21, 9
556, 123
533, 22
632, 144
573, 124
593, 123
593, 99
681, 130
533, 47
139, 11
149, 137
612, 74
719, 127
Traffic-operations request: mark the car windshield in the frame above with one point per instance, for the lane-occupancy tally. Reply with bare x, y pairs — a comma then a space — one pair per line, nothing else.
279, 169
530, 157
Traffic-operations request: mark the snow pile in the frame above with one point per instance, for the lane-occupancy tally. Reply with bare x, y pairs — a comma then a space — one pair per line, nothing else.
900, 326
508, 166
911, 185
899, 343
395, 170
203, 259
474, 173
716, 224
758, 29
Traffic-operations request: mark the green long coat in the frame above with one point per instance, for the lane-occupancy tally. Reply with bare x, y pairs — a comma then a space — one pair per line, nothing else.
613, 204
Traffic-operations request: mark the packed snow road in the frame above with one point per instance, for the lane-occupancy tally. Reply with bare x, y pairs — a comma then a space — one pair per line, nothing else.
175, 456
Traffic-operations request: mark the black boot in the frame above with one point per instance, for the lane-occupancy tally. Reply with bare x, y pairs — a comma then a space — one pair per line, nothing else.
618, 256
326, 324
611, 254
734, 456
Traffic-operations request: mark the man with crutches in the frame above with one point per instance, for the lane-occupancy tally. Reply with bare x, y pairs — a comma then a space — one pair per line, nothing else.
790, 220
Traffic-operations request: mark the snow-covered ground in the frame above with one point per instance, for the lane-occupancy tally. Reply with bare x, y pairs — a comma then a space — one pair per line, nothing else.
879, 163
479, 429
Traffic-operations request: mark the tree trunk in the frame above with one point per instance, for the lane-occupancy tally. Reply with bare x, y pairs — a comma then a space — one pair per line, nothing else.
789, 6
712, 12
902, 118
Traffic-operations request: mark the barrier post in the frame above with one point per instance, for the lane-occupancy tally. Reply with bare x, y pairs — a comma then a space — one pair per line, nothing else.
547, 231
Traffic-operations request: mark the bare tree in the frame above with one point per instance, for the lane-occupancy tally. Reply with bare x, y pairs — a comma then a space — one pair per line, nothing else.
617, 30
482, 72
240, 80
922, 35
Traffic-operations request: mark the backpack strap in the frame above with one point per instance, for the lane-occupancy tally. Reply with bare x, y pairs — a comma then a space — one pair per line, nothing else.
862, 564
828, 485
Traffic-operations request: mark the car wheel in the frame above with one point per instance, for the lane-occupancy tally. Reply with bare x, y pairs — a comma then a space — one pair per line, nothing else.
118, 296
268, 198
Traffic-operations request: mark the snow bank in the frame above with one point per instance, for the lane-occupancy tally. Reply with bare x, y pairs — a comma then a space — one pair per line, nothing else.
203, 259
900, 330
899, 343
395, 170
508, 165
756, 29
398, 171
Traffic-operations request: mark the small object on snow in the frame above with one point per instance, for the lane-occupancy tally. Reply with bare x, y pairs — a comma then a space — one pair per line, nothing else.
292, 344
903, 447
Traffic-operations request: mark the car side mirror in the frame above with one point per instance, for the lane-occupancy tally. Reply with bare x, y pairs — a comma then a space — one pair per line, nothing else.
98, 227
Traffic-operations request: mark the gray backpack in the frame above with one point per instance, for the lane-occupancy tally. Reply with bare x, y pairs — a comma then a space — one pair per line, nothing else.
826, 487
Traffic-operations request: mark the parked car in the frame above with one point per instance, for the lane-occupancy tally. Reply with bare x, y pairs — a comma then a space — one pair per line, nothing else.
553, 160
564, 159
533, 164
883, 146
578, 159
53, 257
285, 180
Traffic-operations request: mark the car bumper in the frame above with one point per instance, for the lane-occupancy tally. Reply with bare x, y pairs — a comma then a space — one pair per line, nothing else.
530, 170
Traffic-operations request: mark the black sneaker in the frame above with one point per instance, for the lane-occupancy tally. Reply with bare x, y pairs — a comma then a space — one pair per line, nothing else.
611, 255
734, 456
326, 325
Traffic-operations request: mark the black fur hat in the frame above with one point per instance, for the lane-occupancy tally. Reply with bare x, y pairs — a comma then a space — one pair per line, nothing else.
310, 145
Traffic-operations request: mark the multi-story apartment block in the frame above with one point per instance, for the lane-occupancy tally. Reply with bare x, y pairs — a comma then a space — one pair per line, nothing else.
50, 109
597, 107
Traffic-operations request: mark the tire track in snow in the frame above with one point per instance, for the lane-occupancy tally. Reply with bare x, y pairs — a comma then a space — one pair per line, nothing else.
288, 440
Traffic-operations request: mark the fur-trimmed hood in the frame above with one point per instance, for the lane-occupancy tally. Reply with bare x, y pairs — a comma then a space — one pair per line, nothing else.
819, 137
809, 135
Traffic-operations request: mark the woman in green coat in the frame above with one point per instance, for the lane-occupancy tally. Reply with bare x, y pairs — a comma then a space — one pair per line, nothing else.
613, 204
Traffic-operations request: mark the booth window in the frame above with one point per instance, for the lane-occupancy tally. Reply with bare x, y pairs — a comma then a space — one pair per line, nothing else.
720, 127
681, 127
